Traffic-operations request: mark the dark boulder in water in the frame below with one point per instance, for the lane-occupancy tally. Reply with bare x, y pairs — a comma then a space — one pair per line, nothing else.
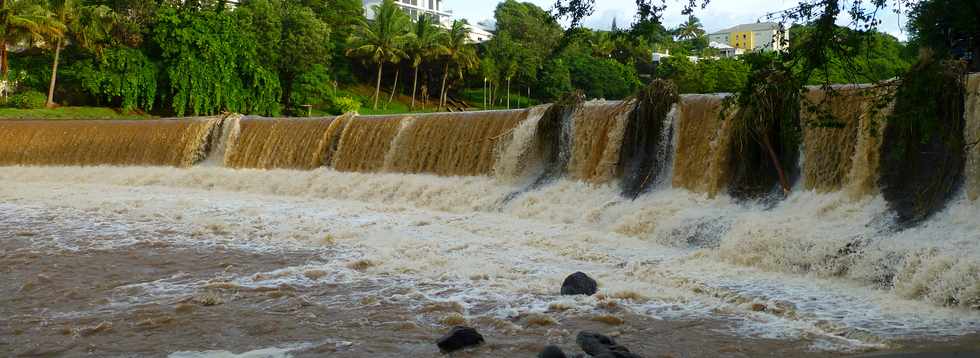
552, 352
579, 284
597, 345
458, 338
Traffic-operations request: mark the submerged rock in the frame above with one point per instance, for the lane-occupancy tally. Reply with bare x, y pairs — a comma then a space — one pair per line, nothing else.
458, 338
552, 352
598, 345
579, 284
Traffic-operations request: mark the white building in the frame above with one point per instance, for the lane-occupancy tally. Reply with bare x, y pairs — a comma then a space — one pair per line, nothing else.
478, 34
763, 36
416, 8
659, 56
726, 51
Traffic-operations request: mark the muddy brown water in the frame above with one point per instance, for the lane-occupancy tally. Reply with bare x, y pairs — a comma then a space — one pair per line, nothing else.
92, 301
83, 299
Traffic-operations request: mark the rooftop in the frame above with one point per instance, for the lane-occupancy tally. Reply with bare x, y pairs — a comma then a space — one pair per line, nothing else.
760, 26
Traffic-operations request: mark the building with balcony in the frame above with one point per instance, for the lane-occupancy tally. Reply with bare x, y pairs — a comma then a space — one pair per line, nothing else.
763, 36
415, 8
444, 18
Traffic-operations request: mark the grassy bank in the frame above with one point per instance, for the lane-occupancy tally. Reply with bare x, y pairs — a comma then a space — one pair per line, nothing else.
69, 113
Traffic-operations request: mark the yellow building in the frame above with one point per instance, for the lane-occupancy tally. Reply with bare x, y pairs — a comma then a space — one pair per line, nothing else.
763, 36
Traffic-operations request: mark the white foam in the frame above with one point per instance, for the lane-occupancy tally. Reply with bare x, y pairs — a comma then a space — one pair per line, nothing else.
274, 352
670, 254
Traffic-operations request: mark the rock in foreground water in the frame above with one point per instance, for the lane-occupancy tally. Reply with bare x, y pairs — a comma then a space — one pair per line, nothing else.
598, 345
579, 284
458, 338
552, 352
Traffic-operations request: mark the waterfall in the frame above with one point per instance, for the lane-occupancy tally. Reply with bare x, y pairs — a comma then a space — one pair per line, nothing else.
597, 136
841, 139
452, 144
364, 142
972, 136
178, 143
702, 155
600, 143
279, 143
519, 154
567, 164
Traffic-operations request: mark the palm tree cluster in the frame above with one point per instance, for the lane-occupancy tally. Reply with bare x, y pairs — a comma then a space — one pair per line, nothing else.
53, 23
392, 36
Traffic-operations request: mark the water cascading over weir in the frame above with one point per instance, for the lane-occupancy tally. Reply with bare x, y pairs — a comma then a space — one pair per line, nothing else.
683, 143
659, 167
688, 147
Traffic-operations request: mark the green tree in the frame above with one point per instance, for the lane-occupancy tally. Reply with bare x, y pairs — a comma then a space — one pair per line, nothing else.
211, 63
509, 60
947, 27
383, 39
530, 27
87, 26
602, 44
554, 80
867, 56
341, 16
690, 29
602, 77
425, 44
121, 75
291, 40
459, 52
23, 22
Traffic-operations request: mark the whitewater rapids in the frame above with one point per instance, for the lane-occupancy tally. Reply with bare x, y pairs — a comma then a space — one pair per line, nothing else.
783, 273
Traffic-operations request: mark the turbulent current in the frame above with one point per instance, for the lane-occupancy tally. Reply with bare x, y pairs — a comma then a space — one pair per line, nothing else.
370, 236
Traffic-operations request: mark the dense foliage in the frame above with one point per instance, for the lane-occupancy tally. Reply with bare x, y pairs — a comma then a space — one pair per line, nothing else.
211, 64
272, 56
123, 76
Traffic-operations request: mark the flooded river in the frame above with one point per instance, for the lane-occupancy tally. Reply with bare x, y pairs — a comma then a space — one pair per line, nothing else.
209, 262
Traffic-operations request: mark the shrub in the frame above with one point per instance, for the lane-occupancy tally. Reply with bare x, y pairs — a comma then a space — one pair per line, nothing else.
313, 87
341, 105
28, 100
554, 80
603, 77
123, 75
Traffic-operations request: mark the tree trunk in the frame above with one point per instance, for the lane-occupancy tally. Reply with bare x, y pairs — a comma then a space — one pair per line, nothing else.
394, 87
492, 97
377, 88
508, 92
3, 58
415, 86
54, 74
775, 162
442, 94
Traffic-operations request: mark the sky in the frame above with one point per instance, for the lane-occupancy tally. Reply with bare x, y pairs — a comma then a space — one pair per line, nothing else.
719, 14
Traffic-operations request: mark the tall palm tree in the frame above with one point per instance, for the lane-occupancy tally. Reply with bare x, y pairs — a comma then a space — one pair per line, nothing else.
86, 24
459, 52
23, 21
382, 39
690, 29
426, 43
